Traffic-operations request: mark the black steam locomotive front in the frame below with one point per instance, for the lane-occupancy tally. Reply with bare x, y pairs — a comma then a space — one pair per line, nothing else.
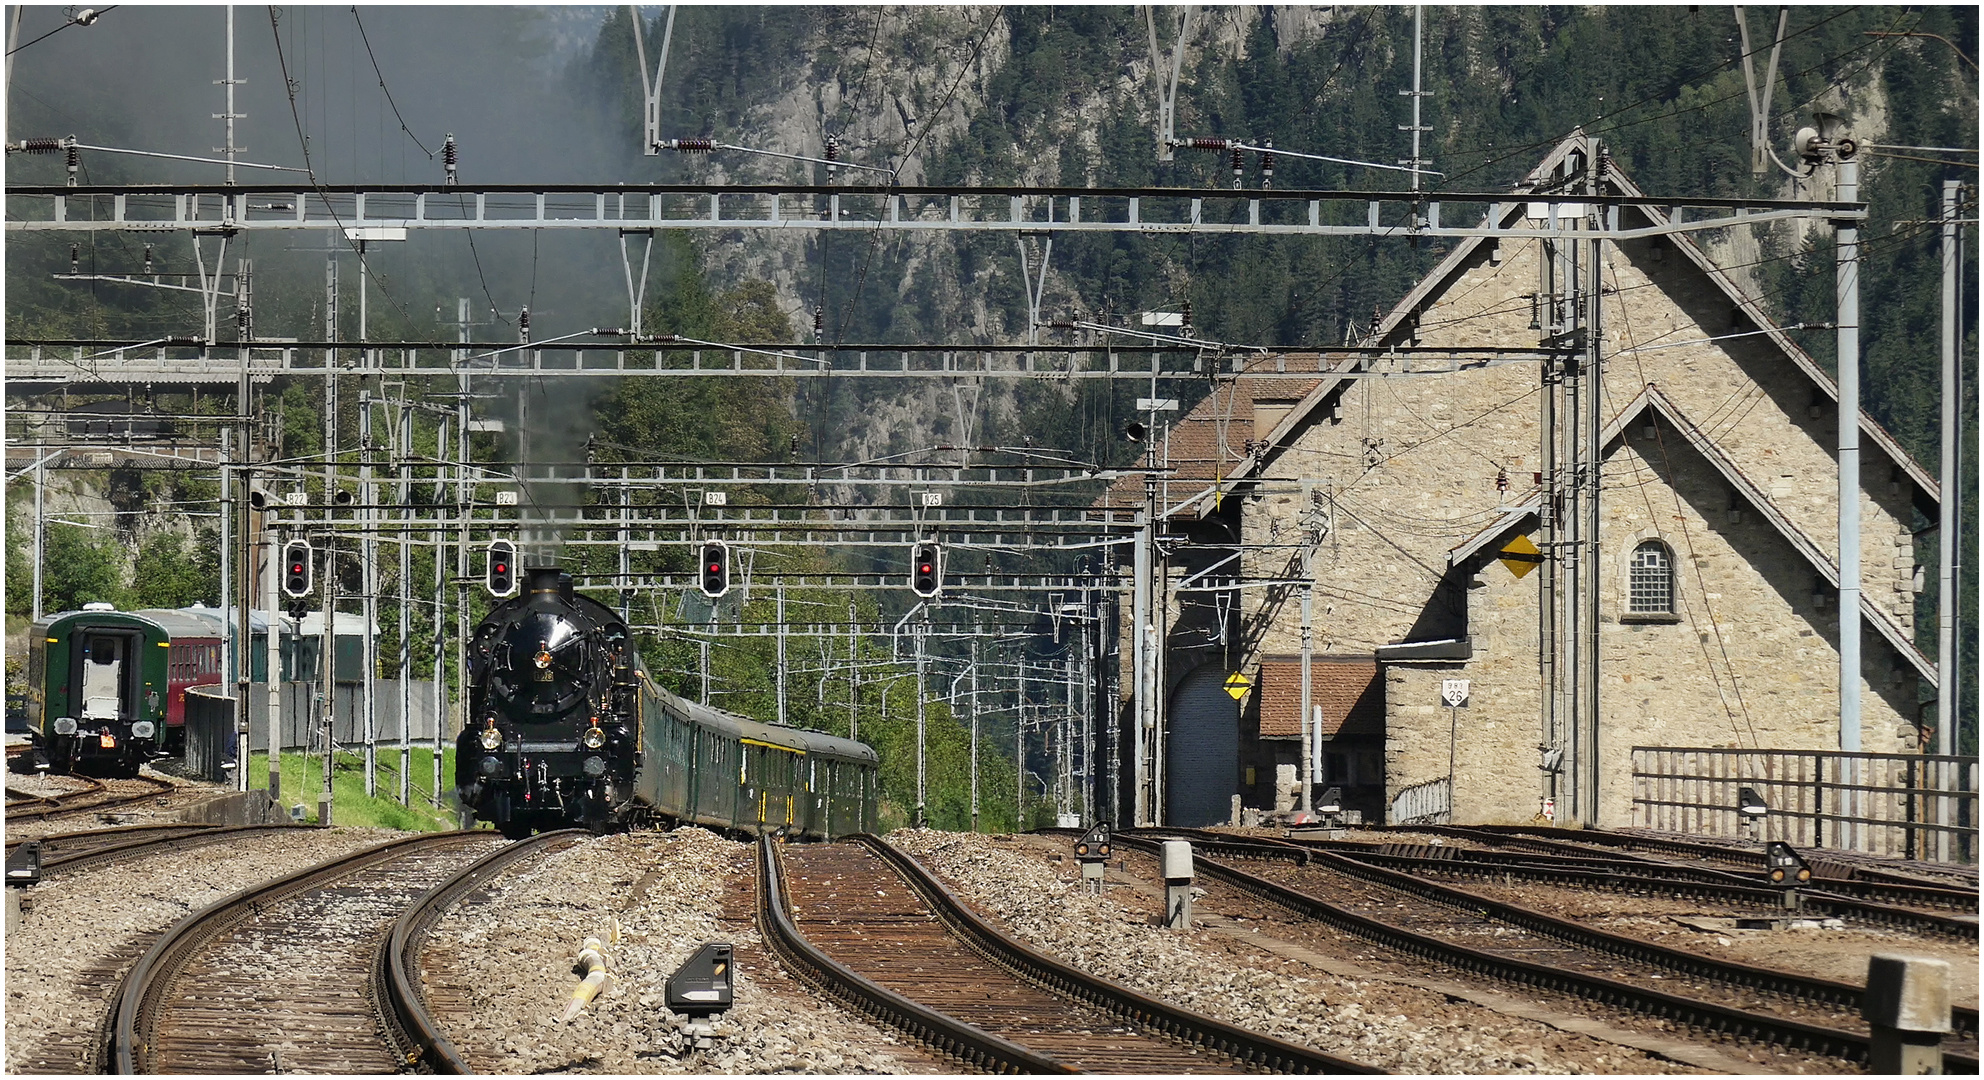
551, 737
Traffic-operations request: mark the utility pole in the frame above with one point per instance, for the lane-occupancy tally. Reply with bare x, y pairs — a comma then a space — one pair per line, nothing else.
230, 116
1416, 164
40, 526
918, 633
440, 611
272, 654
1952, 483
974, 734
327, 680
1302, 718
228, 646
780, 673
244, 630
369, 575
1594, 450
853, 673
1847, 281
405, 449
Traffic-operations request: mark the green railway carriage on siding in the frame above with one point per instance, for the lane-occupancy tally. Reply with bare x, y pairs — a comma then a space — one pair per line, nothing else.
99, 682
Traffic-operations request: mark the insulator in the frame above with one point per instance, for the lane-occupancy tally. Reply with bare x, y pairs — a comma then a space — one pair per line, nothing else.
523, 326
1267, 165
833, 149
75, 258
1501, 479
1202, 143
75, 160
1239, 163
692, 146
1187, 313
40, 146
819, 319
449, 157
148, 258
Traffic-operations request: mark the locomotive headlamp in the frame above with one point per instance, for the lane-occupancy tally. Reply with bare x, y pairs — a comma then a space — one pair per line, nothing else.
593, 738
65, 725
143, 729
491, 738
594, 766
543, 654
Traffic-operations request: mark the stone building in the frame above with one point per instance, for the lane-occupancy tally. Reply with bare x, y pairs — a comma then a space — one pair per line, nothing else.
1716, 571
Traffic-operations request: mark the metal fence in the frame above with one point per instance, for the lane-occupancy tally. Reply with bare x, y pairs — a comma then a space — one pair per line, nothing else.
1430, 803
1913, 806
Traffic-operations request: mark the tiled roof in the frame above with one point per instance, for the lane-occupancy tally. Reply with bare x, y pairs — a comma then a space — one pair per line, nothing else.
1210, 442
1348, 689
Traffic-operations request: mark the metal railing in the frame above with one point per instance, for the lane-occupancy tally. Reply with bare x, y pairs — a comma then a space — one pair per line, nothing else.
1430, 803
1914, 806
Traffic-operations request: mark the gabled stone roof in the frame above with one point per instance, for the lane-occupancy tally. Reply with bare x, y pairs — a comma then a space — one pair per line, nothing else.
1397, 324
1651, 399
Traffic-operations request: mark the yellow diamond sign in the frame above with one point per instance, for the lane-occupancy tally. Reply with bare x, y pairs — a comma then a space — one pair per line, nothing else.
1520, 556
1237, 685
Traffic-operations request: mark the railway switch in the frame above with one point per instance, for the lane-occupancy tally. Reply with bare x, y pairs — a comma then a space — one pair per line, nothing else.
1092, 851
1177, 866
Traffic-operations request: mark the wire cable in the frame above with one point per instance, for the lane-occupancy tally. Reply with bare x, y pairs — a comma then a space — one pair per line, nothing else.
382, 85
61, 28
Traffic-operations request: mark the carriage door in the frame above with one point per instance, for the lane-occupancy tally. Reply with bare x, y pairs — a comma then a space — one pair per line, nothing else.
105, 670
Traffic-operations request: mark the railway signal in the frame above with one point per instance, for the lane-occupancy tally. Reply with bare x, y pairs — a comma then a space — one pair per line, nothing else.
715, 568
926, 569
501, 573
1784, 866
296, 569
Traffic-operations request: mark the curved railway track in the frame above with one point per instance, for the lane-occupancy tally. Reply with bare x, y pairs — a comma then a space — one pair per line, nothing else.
22, 806
415, 1028
277, 976
863, 922
1508, 942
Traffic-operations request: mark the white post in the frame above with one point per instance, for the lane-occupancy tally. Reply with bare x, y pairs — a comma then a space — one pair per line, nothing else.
1946, 600
406, 608
1302, 718
369, 574
272, 655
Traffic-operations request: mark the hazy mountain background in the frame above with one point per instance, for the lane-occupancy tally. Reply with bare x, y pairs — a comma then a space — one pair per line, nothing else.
981, 95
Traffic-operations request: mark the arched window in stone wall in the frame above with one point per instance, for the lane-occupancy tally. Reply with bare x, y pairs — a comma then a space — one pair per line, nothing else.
1650, 580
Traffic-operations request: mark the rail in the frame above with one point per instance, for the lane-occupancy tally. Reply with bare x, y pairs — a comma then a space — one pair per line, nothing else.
1684, 1010
1215, 1036
397, 979
138, 1002
956, 1038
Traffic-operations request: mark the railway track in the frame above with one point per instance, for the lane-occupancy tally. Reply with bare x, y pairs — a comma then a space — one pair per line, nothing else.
22, 806
277, 977
1835, 868
416, 1026
1508, 942
1914, 908
864, 923
67, 852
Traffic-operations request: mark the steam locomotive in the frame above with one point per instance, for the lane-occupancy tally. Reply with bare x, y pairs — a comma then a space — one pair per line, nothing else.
565, 729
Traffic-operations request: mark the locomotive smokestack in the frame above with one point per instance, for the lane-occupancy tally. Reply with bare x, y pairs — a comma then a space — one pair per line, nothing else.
565, 592
547, 579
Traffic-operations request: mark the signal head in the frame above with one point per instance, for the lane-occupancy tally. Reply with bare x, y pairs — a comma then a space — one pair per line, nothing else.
296, 569
926, 569
713, 571
500, 575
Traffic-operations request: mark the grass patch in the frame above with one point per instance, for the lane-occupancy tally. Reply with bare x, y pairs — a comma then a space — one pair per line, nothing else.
303, 782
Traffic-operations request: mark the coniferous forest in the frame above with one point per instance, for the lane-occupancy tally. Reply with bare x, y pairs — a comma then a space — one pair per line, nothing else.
1035, 94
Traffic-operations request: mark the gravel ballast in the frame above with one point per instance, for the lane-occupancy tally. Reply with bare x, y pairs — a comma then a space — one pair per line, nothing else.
499, 970
83, 930
1397, 1028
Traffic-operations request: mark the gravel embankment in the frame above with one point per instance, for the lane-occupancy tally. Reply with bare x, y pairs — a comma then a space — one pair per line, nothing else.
1398, 1028
83, 930
499, 972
